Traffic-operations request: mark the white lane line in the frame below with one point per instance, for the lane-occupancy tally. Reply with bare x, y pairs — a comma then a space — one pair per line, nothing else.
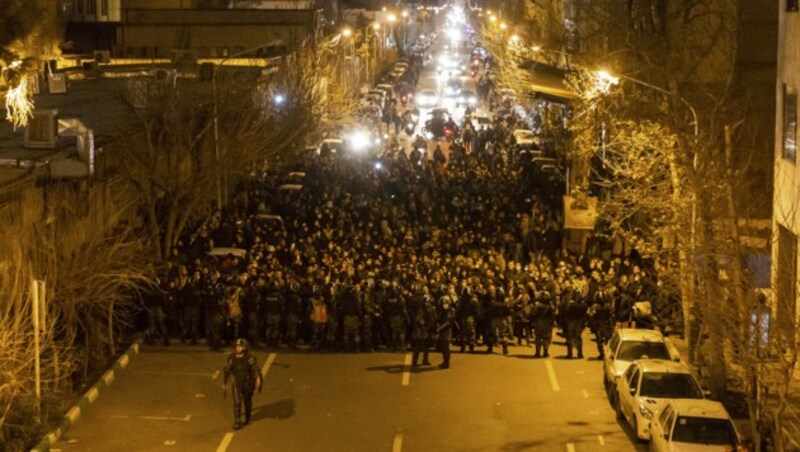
397, 444
585, 394
551, 374
267, 365
182, 374
226, 441
601, 440
570, 447
186, 418
406, 372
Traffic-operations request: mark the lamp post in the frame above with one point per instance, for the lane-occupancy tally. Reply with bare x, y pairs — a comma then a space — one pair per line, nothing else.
216, 115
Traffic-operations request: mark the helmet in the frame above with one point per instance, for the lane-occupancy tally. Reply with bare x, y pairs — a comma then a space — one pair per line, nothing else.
243, 343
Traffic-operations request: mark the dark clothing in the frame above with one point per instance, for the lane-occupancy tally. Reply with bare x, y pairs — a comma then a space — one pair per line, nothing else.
246, 376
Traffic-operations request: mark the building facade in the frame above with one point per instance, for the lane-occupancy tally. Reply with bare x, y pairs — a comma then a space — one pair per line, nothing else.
208, 29
786, 193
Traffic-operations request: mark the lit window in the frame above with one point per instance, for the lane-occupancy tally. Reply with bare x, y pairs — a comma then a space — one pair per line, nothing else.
789, 124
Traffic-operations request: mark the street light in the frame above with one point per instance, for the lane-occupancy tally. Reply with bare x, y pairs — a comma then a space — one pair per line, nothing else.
515, 38
503, 25
347, 32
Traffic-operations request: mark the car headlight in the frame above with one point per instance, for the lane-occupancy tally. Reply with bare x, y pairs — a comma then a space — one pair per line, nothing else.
645, 412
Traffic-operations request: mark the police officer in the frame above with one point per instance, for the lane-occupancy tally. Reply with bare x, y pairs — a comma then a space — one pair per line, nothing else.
468, 312
351, 310
216, 309
575, 317
273, 308
397, 317
293, 306
602, 317
444, 330
542, 316
242, 366
192, 302
420, 326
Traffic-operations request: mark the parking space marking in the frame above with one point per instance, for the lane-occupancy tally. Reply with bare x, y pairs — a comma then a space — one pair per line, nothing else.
267, 365
397, 444
551, 374
226, 441
406, 370
601, 440
570, 447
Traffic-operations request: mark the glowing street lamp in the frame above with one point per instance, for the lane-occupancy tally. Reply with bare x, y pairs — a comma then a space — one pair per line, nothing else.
347, 32
503, 25
515, 38
405, 14
493, 18
392, 18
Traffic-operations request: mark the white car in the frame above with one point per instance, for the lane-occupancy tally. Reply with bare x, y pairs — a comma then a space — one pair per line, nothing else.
427, 98
647, 386
467, 97
693, 425
525, 138
626, 346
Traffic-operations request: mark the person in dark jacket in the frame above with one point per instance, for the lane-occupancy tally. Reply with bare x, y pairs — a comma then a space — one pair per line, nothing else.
575, 317
243, 368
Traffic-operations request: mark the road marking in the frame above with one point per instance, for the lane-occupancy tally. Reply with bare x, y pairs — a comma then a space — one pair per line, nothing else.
570, 447
183, 374
397, 444
551, 374
585, 394
267, 365
215, 375
406, 373
601, 440
226, 441
186, 418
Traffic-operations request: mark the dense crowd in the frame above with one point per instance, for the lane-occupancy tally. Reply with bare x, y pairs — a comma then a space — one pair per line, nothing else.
404, 247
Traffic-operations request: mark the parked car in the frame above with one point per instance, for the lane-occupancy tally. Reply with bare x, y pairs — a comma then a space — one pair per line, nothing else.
647, 386
694, 425
626, 346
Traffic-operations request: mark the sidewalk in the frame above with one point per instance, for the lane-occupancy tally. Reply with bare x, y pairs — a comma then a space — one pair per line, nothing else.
791, 416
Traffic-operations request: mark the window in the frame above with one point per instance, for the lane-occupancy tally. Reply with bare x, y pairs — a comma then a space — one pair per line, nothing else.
789, 124
670, 386
633, 383
80, 6
633, 350
104, 7
792, 6
702, 430
91, 7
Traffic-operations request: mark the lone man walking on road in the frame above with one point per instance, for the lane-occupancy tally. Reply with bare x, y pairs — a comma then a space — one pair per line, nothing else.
242, 366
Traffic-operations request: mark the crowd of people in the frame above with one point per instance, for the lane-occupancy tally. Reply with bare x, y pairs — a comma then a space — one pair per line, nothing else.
404, 248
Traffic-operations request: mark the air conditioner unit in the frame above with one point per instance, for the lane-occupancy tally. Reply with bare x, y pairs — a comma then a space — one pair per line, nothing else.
57, 83
42, 130
102, 56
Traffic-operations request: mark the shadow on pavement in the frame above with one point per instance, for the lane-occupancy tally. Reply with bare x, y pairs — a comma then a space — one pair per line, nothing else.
282, 409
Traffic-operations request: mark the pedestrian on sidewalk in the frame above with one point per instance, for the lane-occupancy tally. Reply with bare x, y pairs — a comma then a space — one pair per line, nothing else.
242, 366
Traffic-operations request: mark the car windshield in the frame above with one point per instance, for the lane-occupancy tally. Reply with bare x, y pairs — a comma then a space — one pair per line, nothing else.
703, 430
669, 386
525, 134
633, 350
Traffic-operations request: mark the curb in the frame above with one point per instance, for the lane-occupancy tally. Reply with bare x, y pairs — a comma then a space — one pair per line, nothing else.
88, 398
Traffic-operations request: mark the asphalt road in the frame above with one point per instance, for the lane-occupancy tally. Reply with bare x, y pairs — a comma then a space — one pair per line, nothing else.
170, 398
